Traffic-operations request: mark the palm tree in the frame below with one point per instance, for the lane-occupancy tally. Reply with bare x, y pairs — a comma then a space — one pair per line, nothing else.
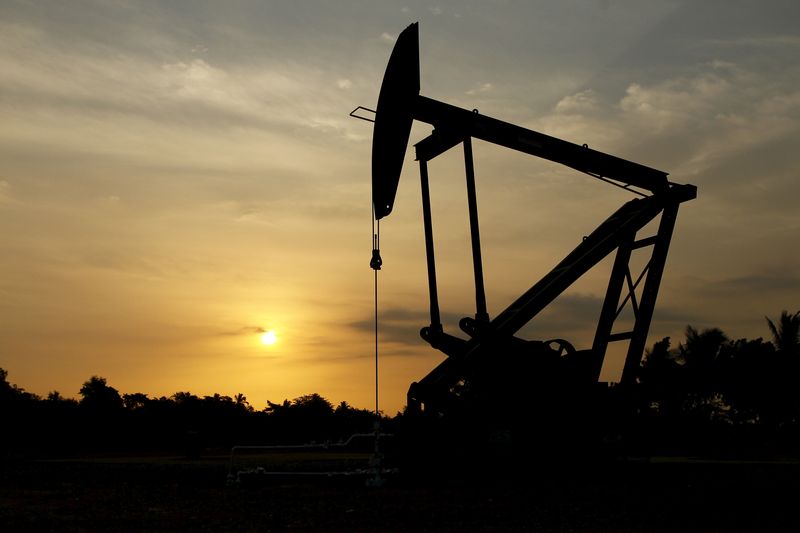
700, 354
786, 339
786, 333
241, 402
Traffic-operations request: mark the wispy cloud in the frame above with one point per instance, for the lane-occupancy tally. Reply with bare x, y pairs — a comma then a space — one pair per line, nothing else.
244, 330
481, 88
746, 286
762, 41
116, 85
5, 191
401, 326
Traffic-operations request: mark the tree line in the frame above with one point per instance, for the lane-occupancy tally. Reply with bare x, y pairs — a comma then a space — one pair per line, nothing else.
713, 391
105, 420
707, 394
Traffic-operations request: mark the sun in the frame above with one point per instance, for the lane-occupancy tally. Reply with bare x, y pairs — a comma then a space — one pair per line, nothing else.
269, 338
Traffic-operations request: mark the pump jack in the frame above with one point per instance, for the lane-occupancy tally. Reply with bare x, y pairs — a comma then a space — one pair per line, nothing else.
494, 366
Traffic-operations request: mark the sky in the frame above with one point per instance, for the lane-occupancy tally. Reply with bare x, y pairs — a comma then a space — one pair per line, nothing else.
178, 177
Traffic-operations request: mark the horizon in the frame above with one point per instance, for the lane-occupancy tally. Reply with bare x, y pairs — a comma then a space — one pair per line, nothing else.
674, 349
178, 180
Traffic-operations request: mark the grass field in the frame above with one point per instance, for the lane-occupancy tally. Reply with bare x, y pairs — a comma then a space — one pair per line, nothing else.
176, 494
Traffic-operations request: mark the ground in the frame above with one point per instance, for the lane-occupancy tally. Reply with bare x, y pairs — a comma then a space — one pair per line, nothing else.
178, 494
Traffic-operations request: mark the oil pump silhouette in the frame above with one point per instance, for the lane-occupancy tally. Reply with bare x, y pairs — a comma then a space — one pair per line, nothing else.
493, 367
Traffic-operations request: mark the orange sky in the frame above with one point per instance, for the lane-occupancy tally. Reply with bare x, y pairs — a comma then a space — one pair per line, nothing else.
176, 178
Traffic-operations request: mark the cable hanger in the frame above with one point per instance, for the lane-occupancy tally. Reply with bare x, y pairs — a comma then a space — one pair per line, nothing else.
375, 264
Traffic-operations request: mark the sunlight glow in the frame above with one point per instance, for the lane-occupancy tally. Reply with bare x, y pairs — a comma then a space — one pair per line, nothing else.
269, 338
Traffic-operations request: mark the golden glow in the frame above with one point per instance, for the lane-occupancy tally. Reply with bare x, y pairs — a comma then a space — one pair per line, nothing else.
269, 338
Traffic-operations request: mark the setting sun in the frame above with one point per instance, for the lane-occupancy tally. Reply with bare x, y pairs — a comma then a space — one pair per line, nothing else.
269, 338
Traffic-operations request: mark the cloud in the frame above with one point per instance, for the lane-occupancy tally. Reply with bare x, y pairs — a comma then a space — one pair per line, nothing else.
580, 102
5, 191
401, 326
481, 88
721, 111
673, 104
569, 313
748, 285
111, 199
763, 41
116, 85
693, 123
130, 262
572, 315
244, 330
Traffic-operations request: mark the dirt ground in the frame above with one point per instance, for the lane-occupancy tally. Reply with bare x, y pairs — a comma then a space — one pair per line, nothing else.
176, 494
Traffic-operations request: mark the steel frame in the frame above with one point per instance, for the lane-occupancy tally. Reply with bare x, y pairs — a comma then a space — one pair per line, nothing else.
618, 233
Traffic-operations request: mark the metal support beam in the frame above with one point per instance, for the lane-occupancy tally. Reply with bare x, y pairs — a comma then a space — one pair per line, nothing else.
649, 294
438, 142
628, 219
481, 314
582, 158
436, 321
609, 312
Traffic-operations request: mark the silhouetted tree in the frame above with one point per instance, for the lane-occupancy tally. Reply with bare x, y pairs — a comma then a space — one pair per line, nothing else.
305, 418
54, 396
56, 401
11, 393
188, 408
101, 425
98, 397
312, 405
700, 354
184, 398
17, 409
6, 389
277, 408
786, 333
747, 374
349, 420
134, 401
711, 384
661, 380
241, 401
701, 361
786, 339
